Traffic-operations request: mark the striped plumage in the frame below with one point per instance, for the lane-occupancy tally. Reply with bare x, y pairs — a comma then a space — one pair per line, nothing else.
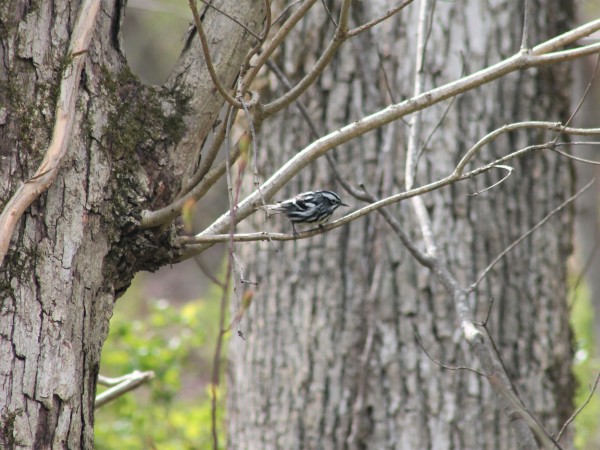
309, 207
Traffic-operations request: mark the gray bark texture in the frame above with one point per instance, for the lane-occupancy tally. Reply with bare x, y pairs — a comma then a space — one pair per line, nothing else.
78, 246
331, 358
587, 223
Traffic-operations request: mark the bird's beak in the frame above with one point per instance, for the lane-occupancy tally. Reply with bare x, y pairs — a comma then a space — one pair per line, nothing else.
343, 204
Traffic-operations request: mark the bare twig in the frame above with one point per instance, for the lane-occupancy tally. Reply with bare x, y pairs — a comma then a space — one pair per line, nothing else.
525, 36
550, 126
423, 219
276, 40
254, 149
584, 96
207, 272
216, 372
368, 314
498, 258
378, 20
442, 365
243, 87
433, 130
209, 159
216, 369
43, 178
329, 13
394, 223
161, 216
230, 17
287, 8
209, 65
484, 322
338, 39
547, 441
121, 386
576, 413
576, 158
509, 171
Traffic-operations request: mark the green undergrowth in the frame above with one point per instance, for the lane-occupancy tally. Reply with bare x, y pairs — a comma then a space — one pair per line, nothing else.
173, 411
586, 368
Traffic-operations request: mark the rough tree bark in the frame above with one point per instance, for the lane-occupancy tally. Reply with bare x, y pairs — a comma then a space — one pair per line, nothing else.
78, 246
331, 359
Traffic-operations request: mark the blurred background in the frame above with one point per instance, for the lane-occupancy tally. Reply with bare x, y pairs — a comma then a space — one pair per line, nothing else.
167, 321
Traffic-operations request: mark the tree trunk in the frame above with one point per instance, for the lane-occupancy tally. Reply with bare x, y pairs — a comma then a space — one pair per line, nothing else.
336, 338
78, 246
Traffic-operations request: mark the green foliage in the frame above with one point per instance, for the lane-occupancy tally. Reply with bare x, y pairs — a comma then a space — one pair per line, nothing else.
586, 368
173, 411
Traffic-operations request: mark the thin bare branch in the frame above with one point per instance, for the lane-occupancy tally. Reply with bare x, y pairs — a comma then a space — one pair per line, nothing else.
556, 210
287, 8
230, 17
254, 150
341, 34
567, 38
121, 386
509, 171
425, 11
280, 35
209, 65
525, 35
566, 55
547, 441
207, 273
151, 219
434, 129
373, 294
583, 97
43, 178
209, 159
425, 17
484, 322
216, 369
550, 126
242, 87
577, 158
423, 258
374, 22
442, 365
329, 13
576, 413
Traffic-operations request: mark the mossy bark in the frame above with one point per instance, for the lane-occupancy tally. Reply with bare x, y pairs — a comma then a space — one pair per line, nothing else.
78, 246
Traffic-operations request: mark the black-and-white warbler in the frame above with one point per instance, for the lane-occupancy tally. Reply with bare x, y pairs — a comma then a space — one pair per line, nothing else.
309, 207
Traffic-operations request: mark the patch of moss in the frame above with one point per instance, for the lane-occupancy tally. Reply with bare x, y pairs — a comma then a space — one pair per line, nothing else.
7, 426
26, 113
143, 122
138, 119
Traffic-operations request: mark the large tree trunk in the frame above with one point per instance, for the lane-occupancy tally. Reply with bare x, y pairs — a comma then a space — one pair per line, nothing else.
78, 246
331, 358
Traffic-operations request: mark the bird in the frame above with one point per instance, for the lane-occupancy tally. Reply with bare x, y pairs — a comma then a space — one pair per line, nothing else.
308, 207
